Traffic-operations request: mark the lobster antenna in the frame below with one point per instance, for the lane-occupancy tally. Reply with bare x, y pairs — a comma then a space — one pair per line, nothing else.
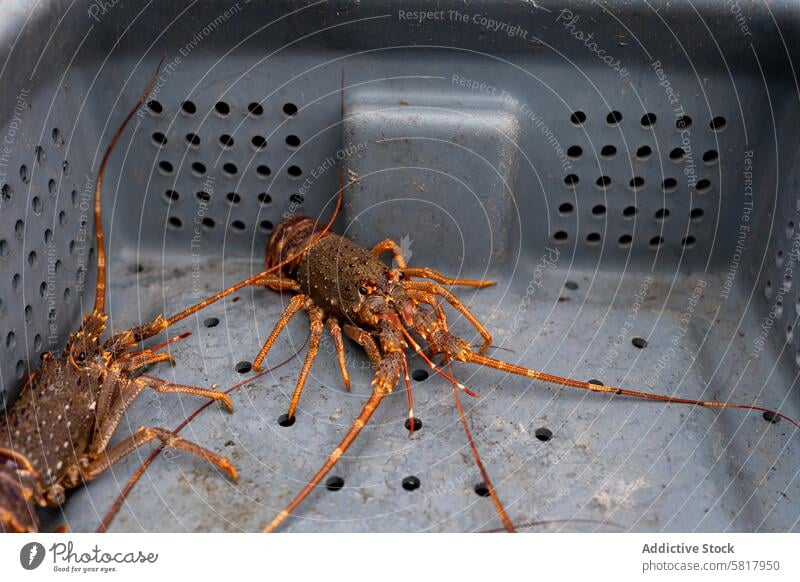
253, 280
537, 375
100, 292
369, 407
509, 527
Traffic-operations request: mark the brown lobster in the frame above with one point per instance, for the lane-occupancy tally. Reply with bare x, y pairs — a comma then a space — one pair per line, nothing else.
56, 435
348, 288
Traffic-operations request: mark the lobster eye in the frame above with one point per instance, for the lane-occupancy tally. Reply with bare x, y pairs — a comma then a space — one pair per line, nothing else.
82, 356
363, 290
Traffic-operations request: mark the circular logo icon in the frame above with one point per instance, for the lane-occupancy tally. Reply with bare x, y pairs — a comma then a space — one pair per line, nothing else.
31, 555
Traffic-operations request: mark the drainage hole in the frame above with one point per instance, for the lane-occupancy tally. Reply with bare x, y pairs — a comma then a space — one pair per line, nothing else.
593, 238
155, 107
662, 213
574, 152
770, 416
614, 117
644, 152
565, 208
199, 168
294, 171
244, 367
656, 242
165, 167
230, 168
625, 240
285, 421
543, 434
211, 322
255, 109
648, 119
696, 214
222, 108
683, 122
571, 285
578, 118
226, 140
482, 490
629, 212
259, 142
710, 156
296, 199
193, 139
608, 151
263, 171
292, 141
639, 342
603, 181
159, 139
417, 424
290, 109
599, 210
718, 123
411, 483
688, 242
238, 225
571, 179
703, 186
188, 108
233, 198
266, 226
171, 195
264, 198
208, 222
420, 375
669, 184
174, 222
334, 483
596, 382
560, 236
636, 182
677, 154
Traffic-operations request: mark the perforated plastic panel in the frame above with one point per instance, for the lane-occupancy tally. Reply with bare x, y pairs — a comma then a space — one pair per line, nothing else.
633, 193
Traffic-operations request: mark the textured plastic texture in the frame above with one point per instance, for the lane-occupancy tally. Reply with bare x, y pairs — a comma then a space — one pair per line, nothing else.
626, 172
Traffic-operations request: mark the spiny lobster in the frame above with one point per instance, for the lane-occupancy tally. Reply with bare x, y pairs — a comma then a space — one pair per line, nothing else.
56, 435
351, 290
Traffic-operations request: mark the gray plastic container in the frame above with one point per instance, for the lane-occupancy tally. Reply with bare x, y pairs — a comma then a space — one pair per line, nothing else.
627, 173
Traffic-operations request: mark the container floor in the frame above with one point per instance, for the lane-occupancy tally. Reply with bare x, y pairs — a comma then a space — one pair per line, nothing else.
629, 464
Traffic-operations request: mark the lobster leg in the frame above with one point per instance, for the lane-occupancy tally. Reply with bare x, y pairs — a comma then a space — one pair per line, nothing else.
427, 273
165, 387
336, 334
108, 420
315, 316
278, 283
460, 307
389, 245
296, 304
105, 458
366, 412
